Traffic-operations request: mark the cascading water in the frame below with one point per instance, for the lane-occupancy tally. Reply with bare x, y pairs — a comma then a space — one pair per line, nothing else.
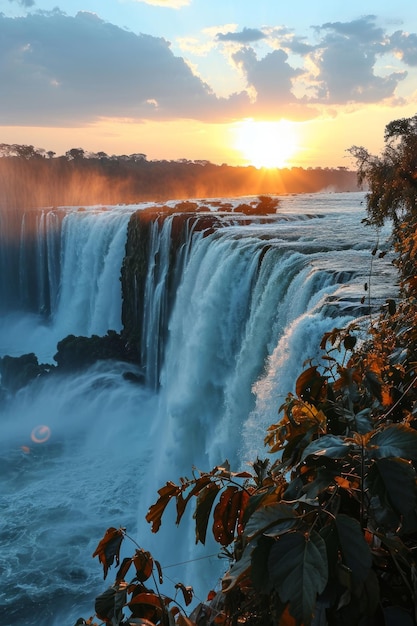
226, 326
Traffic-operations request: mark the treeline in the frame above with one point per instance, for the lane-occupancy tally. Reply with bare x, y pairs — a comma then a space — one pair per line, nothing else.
32, 177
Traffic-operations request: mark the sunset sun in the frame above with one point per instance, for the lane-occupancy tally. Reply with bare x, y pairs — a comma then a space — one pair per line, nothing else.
266, 144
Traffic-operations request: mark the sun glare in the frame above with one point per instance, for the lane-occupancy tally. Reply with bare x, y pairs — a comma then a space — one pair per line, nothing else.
266, 144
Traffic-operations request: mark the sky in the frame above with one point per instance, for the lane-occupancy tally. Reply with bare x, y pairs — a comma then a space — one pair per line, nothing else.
242, 82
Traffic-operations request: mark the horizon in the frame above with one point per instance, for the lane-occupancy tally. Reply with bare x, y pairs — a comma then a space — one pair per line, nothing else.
224, 82
12, 150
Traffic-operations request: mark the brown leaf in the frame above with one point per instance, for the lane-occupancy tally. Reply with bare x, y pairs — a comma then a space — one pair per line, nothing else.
108, 548
200, 484
202, 512
123, 569
181, 504
244, 499
231, 515
242, 475
310, 385
277, 435
333, 336
143, 563
159, 568
154, 515
149, 599
286, 619
386, 396
187, 592
342, 482
324, 340
299, 417
226, 515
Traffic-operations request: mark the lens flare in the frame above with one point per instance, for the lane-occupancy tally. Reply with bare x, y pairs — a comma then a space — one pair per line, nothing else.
40, 434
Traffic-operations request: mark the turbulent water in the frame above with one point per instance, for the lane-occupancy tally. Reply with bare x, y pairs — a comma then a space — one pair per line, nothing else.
83, 452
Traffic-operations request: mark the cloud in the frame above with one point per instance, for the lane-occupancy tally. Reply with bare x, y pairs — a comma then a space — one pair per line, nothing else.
62, 71
345, 62
405, 46
59, 68
24, 3
270, 76
285, 38
247, 35
338, 67
362, 30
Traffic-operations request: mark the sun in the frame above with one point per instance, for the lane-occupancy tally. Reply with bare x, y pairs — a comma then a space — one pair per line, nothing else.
266, 144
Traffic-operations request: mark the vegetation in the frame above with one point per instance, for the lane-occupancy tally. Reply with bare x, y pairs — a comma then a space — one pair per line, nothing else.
32, 177
325, 531
392, 176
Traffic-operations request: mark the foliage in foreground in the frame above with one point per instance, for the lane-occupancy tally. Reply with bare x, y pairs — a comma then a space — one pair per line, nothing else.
325, 532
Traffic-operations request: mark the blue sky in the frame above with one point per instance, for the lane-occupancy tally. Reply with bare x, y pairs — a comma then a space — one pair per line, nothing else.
181, 78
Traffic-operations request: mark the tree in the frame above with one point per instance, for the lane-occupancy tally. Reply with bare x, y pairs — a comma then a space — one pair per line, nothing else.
75, 154
392, 176
392, 180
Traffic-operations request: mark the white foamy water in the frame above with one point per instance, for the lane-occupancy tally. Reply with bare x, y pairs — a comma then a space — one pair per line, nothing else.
251, 303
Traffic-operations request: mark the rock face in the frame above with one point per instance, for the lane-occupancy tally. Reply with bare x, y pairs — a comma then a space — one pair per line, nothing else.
17, 372
73, 353
133, 277
79, 352
154, 240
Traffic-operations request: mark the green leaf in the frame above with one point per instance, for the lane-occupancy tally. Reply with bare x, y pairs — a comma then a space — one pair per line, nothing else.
298, 569
289, 454
396, 440
330, 446
394, 482
259, 571
363, 421
394, 544
271, 520
294, 489
355, 551
329, 534
324, 478
239, 570
254, 502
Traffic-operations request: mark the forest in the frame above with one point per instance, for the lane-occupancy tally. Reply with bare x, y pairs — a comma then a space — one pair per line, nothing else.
32, 177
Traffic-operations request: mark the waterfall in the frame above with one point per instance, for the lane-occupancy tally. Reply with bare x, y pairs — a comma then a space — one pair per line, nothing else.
155, 300
92, 253
67, 272
224, 309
